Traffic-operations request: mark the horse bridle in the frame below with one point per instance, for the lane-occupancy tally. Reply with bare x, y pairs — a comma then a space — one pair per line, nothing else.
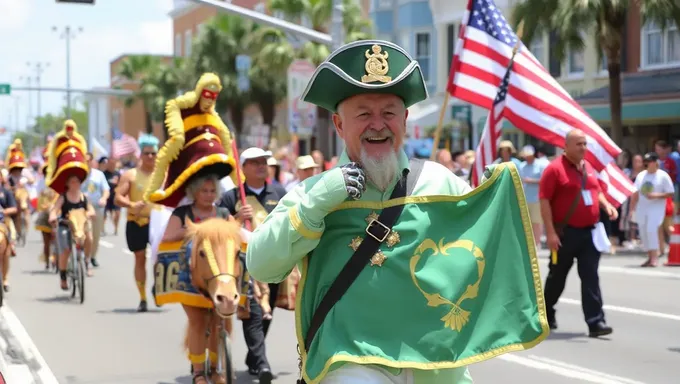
212, 263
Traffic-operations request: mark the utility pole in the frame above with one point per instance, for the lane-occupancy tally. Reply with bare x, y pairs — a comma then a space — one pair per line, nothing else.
67, 34
39, 68
16, 112
28, 80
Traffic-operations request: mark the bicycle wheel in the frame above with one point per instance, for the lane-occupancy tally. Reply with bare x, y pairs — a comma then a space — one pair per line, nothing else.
73, 273
225, 363
81, 277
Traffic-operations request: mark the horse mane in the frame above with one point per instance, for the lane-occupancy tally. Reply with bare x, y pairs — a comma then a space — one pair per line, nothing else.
215, 230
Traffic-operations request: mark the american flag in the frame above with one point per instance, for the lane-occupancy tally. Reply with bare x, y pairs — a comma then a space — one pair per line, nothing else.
123, 145
535, 103
491, 136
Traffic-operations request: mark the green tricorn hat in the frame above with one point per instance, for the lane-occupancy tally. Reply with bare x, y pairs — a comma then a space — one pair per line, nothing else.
366, 66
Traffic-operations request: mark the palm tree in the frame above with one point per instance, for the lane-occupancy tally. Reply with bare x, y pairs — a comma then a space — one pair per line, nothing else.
569, 18
136, 69
318, 13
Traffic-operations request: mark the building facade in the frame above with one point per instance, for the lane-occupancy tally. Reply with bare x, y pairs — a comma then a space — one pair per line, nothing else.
650, 66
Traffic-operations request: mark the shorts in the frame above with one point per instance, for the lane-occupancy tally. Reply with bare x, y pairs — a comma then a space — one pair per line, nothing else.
535, 213
110, 205
63, 239
42, 222
137, 236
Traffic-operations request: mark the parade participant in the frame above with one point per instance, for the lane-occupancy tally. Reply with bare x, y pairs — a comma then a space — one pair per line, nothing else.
649, 205
67, 168
46, 197
570, 197
359, 291
112, 176
9, 207
261, 198
130, 195
96, 188
18, 181
306, 167
191, 163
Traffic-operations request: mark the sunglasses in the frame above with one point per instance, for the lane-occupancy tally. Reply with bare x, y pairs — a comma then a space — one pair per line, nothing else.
149, 153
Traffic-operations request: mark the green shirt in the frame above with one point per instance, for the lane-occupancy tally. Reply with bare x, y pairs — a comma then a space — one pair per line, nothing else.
294, 228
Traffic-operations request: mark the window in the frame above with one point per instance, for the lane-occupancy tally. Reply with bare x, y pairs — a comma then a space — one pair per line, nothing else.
187, 43
576, 61
538, 49
385, 4
178, 45
660, 47
424, 53
259, 7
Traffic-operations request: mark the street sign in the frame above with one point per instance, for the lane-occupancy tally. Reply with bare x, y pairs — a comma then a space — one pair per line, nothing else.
461, 112
243, 82
301, 115
242, 68
5, 89
242, 63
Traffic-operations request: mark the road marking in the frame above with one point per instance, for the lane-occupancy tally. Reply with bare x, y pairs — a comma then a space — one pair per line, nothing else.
639, 272
630, 311
28, 347
566, 370
105, 244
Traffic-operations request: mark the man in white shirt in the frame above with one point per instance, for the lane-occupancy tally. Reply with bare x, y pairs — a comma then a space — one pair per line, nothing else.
305, 167
649, 204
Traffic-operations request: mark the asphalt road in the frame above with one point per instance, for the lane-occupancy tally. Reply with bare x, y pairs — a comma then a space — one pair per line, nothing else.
46, 335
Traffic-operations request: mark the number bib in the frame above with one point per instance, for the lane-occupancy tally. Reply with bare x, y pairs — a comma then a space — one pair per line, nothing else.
172, 277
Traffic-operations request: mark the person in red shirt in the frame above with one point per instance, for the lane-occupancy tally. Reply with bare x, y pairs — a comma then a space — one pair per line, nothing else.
570, 197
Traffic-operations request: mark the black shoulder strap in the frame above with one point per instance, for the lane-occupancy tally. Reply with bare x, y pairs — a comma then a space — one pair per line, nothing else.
376, 232
416, 167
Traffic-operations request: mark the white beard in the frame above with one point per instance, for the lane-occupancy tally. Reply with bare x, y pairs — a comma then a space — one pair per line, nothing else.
381, 172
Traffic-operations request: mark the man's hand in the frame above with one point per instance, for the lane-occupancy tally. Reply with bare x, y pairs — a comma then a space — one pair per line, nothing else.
137, 207
102, 202
52, 219
553, 241
611, 212
245, 213
355, 180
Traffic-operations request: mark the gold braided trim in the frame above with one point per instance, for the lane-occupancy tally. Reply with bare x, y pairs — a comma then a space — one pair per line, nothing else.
299, 226
201, 120
75, 164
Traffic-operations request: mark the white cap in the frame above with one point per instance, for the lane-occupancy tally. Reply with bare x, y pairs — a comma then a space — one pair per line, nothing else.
254, 153
528, 150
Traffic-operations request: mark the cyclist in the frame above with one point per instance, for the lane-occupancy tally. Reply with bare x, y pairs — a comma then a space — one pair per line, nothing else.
67, 168
17, 181
46, 197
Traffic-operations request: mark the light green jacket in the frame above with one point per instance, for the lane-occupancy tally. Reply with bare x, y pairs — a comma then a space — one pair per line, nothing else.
293, 229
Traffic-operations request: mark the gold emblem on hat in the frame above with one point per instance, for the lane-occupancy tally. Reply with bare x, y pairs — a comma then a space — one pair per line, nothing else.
376, 66
355, 243
378, 259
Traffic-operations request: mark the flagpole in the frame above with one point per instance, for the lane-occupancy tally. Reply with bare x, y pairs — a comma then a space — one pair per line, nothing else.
241, 188
437, 132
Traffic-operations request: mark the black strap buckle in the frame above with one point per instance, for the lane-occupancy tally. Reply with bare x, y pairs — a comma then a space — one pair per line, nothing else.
378, 230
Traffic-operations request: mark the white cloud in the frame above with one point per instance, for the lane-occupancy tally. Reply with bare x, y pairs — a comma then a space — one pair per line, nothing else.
15, 14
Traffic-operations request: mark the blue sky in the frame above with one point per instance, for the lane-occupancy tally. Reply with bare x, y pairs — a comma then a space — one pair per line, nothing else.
110, 28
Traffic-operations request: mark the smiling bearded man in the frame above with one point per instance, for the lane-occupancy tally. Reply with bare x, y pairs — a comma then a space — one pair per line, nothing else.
357, 238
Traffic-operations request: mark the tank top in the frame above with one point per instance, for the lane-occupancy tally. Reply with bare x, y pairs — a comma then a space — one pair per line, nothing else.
137, 188
69, 206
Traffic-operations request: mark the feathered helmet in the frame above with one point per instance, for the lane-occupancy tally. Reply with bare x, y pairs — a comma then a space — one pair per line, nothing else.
66, 157
16, 159
199, 144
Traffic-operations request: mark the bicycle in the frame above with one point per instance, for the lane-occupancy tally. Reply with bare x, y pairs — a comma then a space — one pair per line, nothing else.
75, 269
225, 363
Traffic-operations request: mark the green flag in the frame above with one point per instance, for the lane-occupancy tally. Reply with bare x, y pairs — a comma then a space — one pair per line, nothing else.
459, 284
